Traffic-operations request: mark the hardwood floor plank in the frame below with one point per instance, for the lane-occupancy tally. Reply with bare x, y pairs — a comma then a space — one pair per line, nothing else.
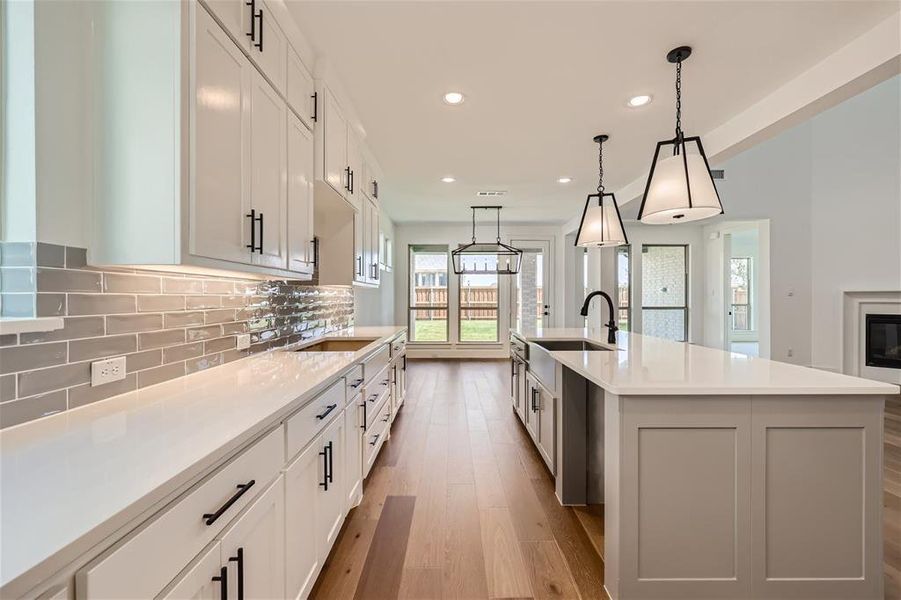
383, 570
375, 490
421, 584
547, 568
504, 566
341, 571
426, 546
584, 561
464, 565
528, 517
489, 490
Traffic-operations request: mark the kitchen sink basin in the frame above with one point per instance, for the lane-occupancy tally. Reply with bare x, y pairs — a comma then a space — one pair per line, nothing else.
565, 345
348, 345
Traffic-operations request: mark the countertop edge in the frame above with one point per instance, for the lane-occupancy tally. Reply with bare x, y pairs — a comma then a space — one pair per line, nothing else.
132, 516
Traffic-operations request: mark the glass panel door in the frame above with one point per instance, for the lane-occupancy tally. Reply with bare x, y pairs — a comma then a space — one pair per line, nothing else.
531, 300
428, 294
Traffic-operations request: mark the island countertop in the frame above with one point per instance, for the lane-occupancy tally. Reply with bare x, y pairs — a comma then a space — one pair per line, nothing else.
70, 480
650, 366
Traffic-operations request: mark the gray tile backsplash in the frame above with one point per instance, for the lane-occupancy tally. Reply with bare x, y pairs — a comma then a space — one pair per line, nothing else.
166, 324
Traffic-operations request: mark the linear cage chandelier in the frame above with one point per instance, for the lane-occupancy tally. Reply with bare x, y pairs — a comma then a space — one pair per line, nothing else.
485, 258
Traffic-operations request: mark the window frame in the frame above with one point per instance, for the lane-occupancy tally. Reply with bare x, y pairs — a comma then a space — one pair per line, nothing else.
411, 276
496, 308
627, 250
684, 306
747, 304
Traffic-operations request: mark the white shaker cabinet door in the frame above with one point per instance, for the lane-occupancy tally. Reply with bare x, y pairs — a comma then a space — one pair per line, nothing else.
331, 501
302, 484
335, 166
300, 196
234, 16
268, 46
220, 197
268, 174
547, 428
373, 273
353, 451
360, 245
201, 580
253, 548
301, 90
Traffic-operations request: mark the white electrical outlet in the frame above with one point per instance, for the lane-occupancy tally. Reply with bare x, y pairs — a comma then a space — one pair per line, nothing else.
243, 341
107, 371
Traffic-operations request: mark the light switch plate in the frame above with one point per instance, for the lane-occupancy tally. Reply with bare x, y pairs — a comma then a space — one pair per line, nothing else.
243, 341
107, 371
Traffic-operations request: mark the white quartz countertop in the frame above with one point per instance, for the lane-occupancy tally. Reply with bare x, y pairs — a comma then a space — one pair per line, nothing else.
70, 480
645, 365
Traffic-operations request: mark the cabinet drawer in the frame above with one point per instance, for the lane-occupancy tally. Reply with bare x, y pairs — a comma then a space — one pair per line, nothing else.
399, 346
375, 363
303, 425
375, 436
354, 381
144, 563
375, 394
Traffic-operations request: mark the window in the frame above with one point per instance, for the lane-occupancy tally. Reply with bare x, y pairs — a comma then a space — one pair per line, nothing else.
478, 301
624, 286
428, 294
740, 286
664, 291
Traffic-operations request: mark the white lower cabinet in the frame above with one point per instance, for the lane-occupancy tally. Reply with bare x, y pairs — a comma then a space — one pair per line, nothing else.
354, 423
201, 580
541, 415
314, 499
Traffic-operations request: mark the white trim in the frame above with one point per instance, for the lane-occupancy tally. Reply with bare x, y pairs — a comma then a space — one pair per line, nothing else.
855, 305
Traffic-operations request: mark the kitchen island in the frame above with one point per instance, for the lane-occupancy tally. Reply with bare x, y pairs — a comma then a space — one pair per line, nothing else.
722, 475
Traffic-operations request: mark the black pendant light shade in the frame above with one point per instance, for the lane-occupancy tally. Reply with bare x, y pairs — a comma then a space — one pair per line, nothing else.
601, 223
485, 258
680, 186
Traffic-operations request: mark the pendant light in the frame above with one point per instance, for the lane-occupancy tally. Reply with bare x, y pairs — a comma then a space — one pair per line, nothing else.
478, 258
601, 223
680, 187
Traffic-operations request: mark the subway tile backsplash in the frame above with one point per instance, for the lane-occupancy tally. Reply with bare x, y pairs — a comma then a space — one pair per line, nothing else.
166, 324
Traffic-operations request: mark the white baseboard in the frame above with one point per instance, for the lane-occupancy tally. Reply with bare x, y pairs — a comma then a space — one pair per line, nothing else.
478, 353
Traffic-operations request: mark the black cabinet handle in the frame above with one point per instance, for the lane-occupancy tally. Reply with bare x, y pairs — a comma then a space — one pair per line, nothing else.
357, 383
359, 266
242, 489
315, 244
254, 219
375, 189
375, 439
253, 21
240, 560
385, 381
331, 463
259, 44
325, 480
222, 578
534, 400
347, 178
363, 426
373, 397
315, 98
386, 419
328, 410
351, 181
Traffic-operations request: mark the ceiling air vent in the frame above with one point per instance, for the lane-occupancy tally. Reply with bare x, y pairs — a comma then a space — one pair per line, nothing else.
491, 193
717, 173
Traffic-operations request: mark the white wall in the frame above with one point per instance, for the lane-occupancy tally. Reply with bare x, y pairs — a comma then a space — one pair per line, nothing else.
375, 306
452, 234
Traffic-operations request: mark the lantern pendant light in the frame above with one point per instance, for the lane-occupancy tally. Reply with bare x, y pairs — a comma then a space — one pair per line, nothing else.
680, 187
481, 258
601, 223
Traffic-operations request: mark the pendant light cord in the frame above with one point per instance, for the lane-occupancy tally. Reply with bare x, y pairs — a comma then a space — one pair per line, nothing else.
679, 100
498, 225
600, 167
473, 225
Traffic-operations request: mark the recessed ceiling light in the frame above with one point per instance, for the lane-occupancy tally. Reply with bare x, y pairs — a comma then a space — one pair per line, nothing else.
448, 179
453, 98
636, 101
564, 180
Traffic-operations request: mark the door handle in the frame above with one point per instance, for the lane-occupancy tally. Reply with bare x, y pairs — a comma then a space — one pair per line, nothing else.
254, 219
315, 98
222, 578
259, 44
363, 426
331, 462
324, 454
253, 21
347, 178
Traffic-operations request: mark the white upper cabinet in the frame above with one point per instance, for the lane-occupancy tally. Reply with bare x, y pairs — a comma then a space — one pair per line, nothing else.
301, 90
335, 168
354, 170
300, 196
371, 178
373, 243
267, 45
221, 193
234, 16
268, 175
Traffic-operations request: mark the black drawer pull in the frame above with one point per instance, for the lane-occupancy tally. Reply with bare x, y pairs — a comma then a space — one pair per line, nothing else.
242, 488
386, 419
375, 440
222, 578
328, 409
373, 397
357, 383
363, 426
385, 381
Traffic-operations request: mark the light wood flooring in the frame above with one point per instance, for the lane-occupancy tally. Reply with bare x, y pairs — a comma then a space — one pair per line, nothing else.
459, 504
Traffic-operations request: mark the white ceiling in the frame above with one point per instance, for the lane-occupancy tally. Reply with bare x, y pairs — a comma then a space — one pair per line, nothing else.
542, 78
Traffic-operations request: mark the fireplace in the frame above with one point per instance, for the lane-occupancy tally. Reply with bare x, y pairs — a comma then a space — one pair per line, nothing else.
883, 341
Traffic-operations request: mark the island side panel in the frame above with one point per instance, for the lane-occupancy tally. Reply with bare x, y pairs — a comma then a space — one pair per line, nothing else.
817, 496
612, 493
685, 497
